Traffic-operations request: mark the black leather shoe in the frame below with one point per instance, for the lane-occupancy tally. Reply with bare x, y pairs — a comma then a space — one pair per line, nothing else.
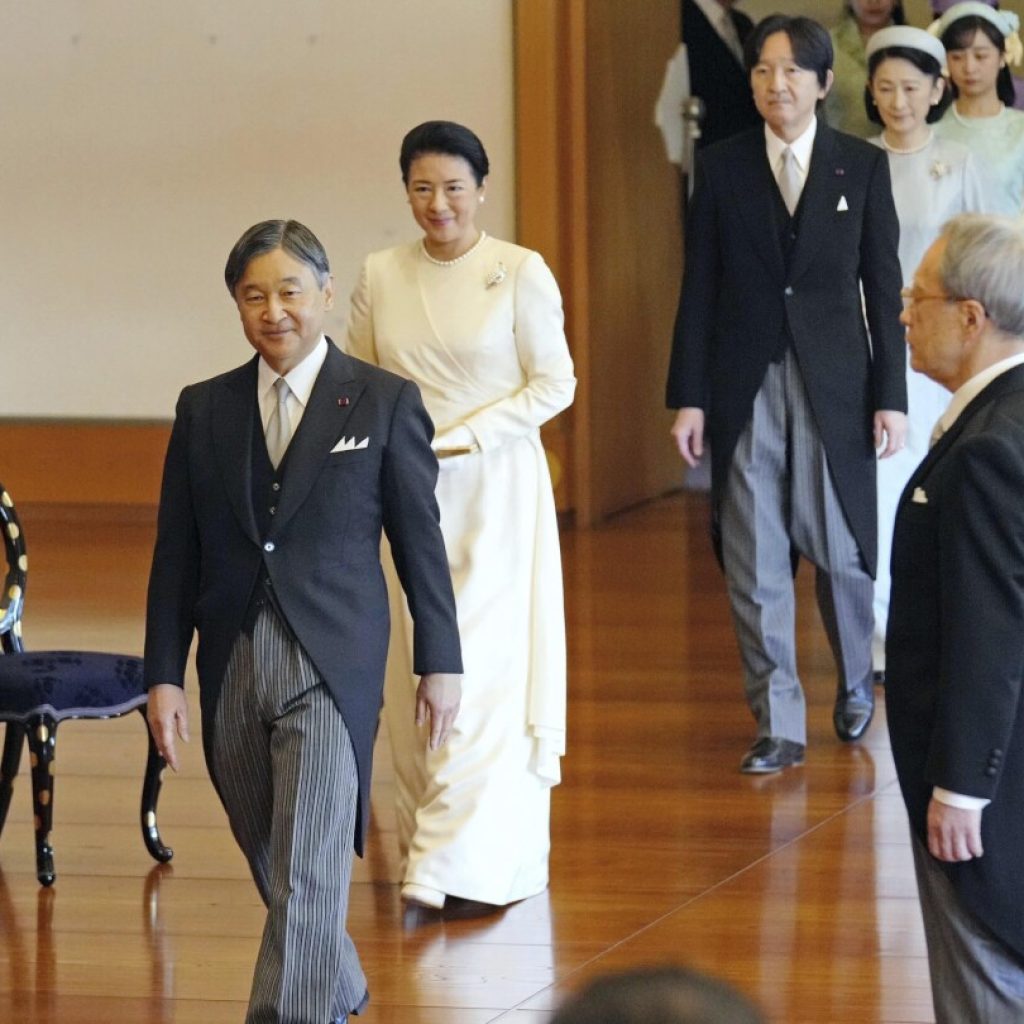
852, 715
771, 754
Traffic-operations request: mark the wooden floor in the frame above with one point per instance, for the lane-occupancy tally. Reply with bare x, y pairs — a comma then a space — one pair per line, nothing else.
798, 888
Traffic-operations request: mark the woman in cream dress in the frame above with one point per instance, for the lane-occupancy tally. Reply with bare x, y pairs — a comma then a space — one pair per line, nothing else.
933, 179
477, 323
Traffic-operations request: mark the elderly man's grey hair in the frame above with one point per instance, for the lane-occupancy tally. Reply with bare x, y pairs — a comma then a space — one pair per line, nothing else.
984, 260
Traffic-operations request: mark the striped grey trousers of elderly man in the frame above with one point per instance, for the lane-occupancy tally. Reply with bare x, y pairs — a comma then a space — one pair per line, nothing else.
285, 771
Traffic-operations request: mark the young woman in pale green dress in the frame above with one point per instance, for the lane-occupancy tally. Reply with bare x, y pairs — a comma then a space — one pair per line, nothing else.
980, 43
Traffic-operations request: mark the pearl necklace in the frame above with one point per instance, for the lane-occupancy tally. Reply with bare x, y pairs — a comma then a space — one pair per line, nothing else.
458, 259
907, 152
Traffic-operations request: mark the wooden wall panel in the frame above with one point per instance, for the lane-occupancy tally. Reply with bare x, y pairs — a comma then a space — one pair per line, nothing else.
545, 166
634, 252
598, 197
86, 462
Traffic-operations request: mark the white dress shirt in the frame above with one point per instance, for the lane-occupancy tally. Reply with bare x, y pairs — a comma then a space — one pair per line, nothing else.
800, 147
962, 397
300, 380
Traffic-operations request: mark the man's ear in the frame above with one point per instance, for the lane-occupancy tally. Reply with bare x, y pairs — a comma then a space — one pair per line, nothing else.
829, 79
972, 318
328, 291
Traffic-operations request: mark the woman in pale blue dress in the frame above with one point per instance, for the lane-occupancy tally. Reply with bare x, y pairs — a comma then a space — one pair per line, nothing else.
933, 179
980, 43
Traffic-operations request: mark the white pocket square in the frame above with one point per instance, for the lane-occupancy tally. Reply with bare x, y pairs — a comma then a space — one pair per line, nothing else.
349, 444
919, 497
843, 205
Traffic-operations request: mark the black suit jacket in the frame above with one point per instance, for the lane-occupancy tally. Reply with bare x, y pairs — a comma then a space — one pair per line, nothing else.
740, 295
322, 549
717, 77
955, 643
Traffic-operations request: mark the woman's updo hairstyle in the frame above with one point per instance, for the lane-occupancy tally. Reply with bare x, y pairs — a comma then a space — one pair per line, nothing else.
449, 139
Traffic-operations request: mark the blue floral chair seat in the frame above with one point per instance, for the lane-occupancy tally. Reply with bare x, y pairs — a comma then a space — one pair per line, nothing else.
41, 689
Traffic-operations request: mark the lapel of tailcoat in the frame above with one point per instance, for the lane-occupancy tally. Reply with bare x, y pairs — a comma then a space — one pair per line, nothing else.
1011, 380
234, 406
755, 186
321, 427
817, 202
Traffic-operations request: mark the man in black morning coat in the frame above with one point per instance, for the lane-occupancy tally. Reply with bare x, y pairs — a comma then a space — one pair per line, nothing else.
791, 240
279, 478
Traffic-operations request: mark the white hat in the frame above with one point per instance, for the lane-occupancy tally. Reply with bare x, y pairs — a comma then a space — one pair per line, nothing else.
1006, 21
909, 38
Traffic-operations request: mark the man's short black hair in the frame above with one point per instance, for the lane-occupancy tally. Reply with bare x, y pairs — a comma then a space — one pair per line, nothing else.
296, 240
666, 995
811, 43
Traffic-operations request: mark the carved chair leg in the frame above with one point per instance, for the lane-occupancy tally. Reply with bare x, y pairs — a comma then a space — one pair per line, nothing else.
155, 765
41, 733
14, 739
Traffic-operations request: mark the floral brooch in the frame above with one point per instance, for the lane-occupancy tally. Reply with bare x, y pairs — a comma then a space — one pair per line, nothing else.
496, 276
938, 169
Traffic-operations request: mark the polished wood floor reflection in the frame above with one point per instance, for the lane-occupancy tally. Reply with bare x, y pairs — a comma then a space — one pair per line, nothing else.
798, 888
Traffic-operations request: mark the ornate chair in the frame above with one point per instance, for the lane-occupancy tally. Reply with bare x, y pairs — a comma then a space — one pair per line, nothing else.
40, 690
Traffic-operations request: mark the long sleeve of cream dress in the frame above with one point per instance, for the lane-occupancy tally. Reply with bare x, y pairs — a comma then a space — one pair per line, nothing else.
483, 338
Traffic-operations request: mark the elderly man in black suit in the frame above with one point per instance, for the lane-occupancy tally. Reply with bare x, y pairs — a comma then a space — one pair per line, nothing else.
279, 478
955, 646
791, 237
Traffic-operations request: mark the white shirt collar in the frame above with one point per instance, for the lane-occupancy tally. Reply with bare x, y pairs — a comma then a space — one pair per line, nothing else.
301, 378
968, 391
801, 147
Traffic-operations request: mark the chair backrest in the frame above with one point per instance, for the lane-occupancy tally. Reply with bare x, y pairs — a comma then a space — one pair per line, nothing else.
12, 600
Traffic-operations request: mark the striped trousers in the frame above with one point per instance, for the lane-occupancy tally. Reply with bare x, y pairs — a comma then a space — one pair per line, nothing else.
779, 496
284, 768
976, 978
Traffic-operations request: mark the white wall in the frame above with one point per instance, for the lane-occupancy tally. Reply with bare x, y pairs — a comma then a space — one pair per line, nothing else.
139, 139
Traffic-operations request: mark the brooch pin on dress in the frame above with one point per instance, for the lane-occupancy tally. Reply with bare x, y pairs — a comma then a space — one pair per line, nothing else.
496, 276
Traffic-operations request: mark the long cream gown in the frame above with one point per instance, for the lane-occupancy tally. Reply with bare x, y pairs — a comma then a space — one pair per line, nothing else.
483, 338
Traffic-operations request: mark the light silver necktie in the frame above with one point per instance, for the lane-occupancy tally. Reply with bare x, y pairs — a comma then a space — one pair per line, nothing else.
727, 33
279, 426
789, 180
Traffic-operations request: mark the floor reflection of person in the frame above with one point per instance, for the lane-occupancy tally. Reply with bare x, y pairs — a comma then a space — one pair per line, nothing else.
477, 323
